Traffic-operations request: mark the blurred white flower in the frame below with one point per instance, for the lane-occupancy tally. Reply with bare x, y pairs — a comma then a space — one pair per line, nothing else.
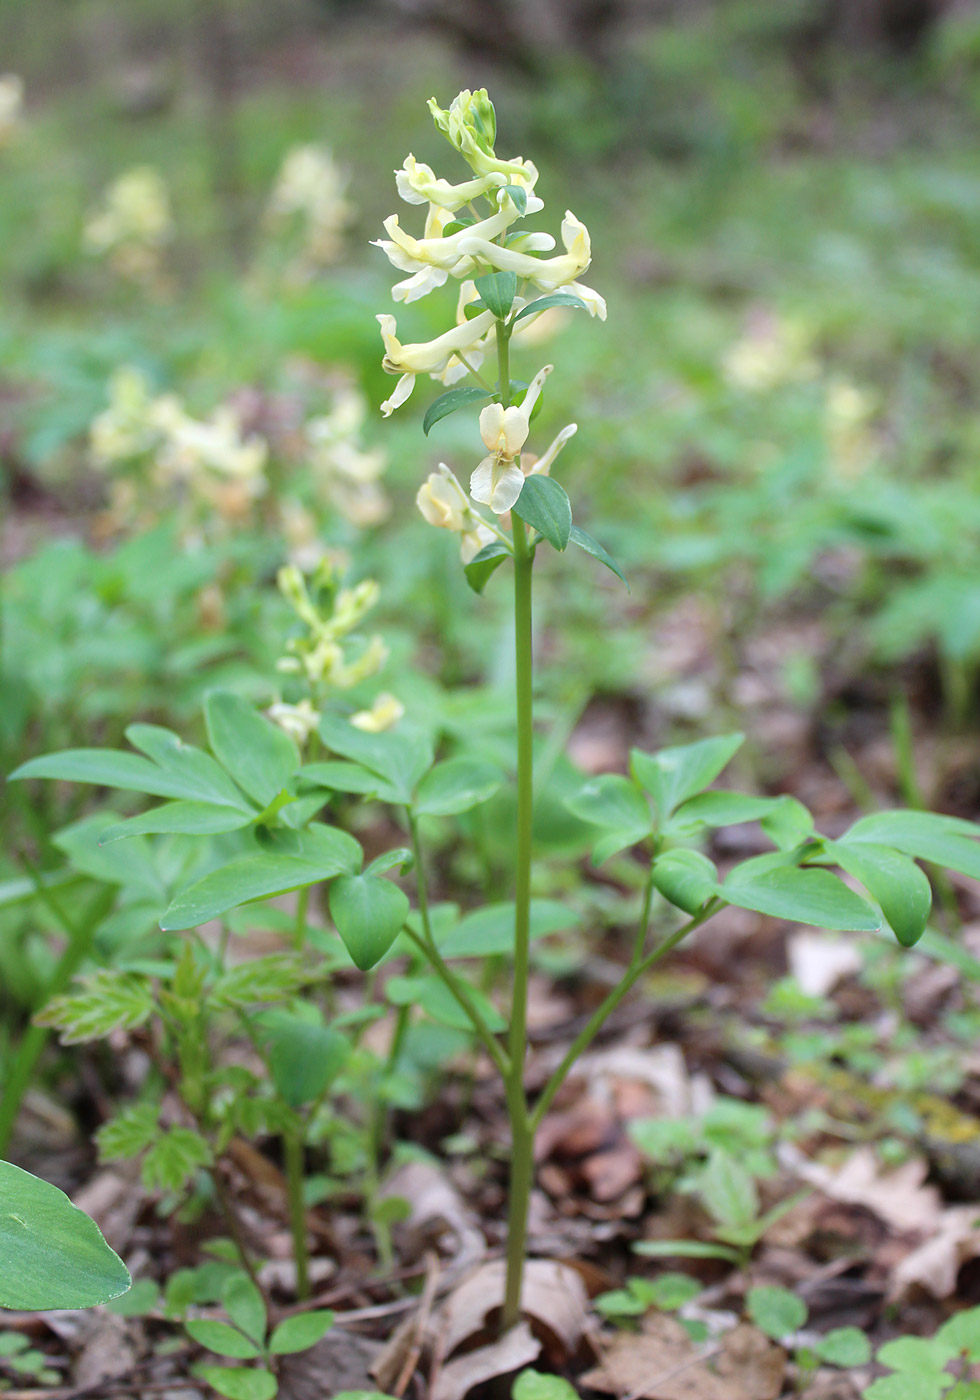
11, 106
773, 351
311, 190
133, 224
386, 711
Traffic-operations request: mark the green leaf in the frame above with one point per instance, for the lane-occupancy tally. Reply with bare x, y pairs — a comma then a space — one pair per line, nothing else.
341, 776
106, 1001
945, 841
673, 775
180, 818
776, 1311
435, 998
141, 1300
717, 808
687, 879
962, 1331
326, 852
518, 194
544, 505
686, 1249
456, 786
112, 768
612, 801
728, 1190
484, 565
301, 1332
917, 1354
51, 1254
964, 1390
800, 896
245, 1306
895, 881
546, 303
132, 1131
450, 401
399, 857
929, 1385
304, 1055
489, 931
174, 1158
193, 773
844, 1346
789, 824
240, 1382
535, 1385
593, 547
259, 755
497, 291
369, 913
672, 1291
220, 1338
271, 978
399, 756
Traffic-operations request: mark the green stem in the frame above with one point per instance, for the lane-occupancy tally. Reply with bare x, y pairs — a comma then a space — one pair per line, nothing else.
293, 1155
299, 930
637, 969
80, 938
522, 1132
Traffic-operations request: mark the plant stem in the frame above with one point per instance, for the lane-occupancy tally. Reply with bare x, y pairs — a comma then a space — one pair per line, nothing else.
293, 1156
445, 974
522, 1133
299, 930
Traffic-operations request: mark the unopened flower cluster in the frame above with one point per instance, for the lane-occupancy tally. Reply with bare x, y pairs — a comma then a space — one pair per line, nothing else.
214, 470
473, 229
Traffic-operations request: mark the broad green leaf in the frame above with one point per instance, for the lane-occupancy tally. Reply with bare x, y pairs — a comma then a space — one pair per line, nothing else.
400, 857
51, 1254
450, 401
245, 1306
179, 818
194, 773
917, 1354
435, 998
945, 841
304, 1055
259, 755
497, 291
962, 1331
593, 547
844, 1346
923, 1385
536, 1385
113, 768
341, 776
800, 896
103, 1002
220, 1338
544, 505
964, 1390
301, 1332
728, 1190
327, 852
776, 1311
610, 800
686, 878
895, 881
400, 756
141, 1300
788, 825
369, 913
240, 1382
489, 931
568, 299
484, 565
456, 786
671, 1291
673, 775
518, 194
717, 808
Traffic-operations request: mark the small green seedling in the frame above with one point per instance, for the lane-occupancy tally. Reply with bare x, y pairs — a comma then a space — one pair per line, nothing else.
19, 1357
920, 1366
244, 1338
782, 1315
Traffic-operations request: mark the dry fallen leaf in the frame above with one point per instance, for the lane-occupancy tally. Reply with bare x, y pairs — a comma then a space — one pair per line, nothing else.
819, 961
898, 1197
553, 1299
662, 1363
109, 1350
935, 1264
436, 1209
515, 1349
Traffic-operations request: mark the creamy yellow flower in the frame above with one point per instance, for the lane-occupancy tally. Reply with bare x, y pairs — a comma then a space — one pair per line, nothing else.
541, 466
545, 273
470, 125
386, 711
418, 184
426, 357
298, 721
443, 502
431, 260
498, 480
